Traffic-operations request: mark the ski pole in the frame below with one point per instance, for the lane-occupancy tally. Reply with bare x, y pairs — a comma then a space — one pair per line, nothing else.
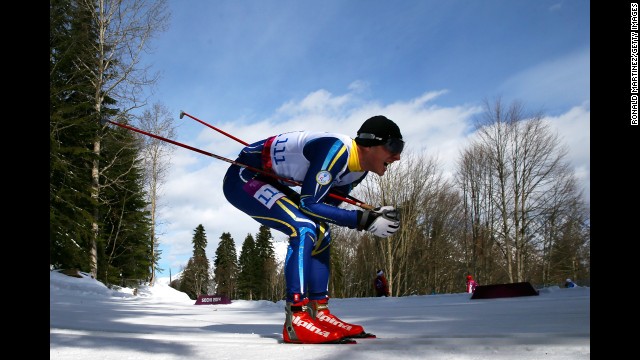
264, 172
182, 114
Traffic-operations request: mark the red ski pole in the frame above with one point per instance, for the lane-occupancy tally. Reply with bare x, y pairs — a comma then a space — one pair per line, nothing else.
335, 196
182, 114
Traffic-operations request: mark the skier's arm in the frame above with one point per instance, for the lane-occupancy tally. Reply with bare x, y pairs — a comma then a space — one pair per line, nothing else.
327, 160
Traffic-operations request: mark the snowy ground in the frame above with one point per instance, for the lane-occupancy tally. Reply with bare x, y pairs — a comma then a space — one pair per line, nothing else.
90, 321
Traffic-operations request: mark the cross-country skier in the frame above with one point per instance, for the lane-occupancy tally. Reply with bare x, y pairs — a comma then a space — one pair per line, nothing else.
322, 163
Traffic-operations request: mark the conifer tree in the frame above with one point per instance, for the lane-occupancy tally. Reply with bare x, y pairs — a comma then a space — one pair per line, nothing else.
265, 257
73, 125
124, 249
186, 283
195, 277
248, 271
71, 128
226, 266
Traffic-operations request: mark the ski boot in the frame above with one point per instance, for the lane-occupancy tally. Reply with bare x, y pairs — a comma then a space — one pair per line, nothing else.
319, 311
301, 328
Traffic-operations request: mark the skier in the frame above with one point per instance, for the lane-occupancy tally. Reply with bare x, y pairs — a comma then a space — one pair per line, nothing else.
471, 284
569, 284
380, 284
322, 162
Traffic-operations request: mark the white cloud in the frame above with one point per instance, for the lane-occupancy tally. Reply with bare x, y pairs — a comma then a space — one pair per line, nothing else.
574, 129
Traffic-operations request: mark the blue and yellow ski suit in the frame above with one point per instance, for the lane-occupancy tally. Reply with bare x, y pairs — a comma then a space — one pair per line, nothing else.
320, 162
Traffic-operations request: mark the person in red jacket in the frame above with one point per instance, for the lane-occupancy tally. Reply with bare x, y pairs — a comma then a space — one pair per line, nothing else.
471, 284
380, 284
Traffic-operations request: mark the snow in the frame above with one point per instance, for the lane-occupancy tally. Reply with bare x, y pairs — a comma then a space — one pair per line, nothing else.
90, 321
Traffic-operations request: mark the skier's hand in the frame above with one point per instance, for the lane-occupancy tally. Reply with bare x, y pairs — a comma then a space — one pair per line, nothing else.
382, 221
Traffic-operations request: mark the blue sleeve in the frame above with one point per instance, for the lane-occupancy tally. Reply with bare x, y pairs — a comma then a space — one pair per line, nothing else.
327, 159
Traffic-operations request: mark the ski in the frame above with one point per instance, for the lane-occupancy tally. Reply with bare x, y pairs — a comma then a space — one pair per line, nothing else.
363, 335
342, 341
339, 341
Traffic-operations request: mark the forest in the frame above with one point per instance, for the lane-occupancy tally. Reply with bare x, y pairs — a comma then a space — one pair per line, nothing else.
512, 212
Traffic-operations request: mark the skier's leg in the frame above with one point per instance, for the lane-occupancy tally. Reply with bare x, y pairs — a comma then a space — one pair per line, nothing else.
270, 206
319, 286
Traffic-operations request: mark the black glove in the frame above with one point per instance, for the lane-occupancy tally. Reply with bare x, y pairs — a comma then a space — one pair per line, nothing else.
381, 221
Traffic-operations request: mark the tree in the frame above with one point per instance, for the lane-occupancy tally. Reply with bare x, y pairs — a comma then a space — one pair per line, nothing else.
156, 157
340, 251
565, 236
186, 283
511, 177
248, 270
226, 266
474, 178
71, 124
122, 30
265, 256
416, 257
195, 277
124, 252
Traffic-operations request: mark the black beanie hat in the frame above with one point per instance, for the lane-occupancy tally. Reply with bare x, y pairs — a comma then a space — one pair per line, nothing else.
381, 127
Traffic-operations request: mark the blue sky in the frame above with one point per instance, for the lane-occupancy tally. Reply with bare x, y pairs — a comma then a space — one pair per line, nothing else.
255, 68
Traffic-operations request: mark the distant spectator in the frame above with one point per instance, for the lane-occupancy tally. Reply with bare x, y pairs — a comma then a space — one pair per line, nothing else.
569, 284
471, 284
380, 284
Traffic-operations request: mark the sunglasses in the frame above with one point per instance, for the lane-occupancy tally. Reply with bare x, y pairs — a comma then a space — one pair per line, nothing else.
394, 145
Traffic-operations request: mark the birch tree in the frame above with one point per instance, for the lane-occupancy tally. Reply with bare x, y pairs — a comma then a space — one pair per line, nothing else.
124, 29
526, 160
156, 157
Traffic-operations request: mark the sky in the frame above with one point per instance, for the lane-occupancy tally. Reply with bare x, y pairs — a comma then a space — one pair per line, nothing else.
256, 68
87, 320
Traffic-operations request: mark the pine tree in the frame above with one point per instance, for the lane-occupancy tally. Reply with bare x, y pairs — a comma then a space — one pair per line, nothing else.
226, 266
248, 270
265, 258
187, 283
72, 124
124, 248
195, 277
